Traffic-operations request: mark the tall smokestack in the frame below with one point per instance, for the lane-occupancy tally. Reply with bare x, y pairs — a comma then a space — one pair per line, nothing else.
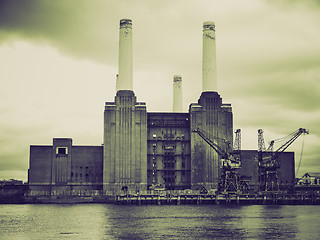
209, 69
125, 75
177, 93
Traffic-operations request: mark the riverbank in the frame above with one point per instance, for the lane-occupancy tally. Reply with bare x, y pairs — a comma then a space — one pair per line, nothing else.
19, 194
186, 199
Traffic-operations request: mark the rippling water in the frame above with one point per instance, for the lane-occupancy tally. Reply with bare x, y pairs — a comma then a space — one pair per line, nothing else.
99, 221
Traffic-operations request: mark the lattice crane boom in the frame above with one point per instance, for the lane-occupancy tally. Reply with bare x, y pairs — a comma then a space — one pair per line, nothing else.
229, 179
292, 137
221, 152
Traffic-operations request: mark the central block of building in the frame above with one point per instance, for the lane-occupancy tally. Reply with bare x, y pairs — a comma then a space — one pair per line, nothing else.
125, 144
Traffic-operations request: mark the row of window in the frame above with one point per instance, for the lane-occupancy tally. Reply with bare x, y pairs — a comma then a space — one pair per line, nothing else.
168, 135
166, 173
166, 146
80, 167
80, 175
168, 164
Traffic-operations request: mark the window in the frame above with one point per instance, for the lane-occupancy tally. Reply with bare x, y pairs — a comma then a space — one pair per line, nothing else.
61, 150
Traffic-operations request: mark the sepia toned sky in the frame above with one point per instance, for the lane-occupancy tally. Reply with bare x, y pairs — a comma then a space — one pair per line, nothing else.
59, 60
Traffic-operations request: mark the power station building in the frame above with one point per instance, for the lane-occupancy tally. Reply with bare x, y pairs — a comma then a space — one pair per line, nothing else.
143, 150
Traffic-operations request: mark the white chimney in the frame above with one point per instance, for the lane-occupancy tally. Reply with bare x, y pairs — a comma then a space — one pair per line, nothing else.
177, 93
125, 74
209, 68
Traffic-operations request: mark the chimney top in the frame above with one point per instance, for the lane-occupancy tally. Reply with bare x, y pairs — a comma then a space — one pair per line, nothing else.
125, 23
177, 78
209, 25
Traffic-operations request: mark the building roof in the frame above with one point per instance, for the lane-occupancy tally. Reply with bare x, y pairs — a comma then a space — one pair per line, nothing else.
312, 174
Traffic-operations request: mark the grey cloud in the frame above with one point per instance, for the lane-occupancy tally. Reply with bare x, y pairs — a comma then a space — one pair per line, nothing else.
79, 28
291, 94
13, 155
294, 84
65, 24
310, 3
89, 30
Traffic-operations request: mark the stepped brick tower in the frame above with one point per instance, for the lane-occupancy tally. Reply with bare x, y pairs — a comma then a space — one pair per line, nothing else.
210, 115
125, 128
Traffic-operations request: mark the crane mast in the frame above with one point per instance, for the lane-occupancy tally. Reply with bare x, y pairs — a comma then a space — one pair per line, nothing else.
230, 160
269, 161
261, 144
237, 140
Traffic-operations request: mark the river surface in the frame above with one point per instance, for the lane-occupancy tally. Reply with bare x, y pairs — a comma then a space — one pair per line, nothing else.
101, 221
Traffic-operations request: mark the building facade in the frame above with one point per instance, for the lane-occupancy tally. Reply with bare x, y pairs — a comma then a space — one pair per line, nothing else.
146, 150
63, 169
125, 144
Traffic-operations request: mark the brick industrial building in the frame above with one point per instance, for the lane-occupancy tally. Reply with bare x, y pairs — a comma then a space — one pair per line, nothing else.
143, 150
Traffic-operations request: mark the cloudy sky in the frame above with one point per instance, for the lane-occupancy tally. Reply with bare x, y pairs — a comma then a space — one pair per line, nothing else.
59, 59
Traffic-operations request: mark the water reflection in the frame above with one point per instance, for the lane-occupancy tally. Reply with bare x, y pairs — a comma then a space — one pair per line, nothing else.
278, 223
172, 222
308, 219
98, 221
268, 222
51, 221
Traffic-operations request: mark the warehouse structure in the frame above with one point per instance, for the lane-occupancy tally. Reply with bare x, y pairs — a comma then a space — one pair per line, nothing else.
142, 150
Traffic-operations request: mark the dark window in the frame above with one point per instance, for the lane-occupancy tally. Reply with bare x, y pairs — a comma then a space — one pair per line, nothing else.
62, 151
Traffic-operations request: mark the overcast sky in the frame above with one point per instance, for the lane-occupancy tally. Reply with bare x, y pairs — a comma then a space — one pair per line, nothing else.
59, 60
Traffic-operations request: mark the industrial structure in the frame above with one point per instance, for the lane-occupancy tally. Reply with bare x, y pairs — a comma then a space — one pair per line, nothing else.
160, 150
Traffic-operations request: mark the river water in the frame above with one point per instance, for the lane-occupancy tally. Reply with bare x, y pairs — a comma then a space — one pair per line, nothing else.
101, 221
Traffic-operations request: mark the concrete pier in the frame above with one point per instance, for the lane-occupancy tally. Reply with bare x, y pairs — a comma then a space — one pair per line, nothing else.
221, 199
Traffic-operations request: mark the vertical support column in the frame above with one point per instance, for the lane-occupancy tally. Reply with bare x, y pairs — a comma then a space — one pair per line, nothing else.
209, 68
61, 165
125, 75
177, 93
125, 128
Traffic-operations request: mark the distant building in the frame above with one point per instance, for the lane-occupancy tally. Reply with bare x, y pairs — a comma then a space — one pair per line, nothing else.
311, 178
11, 182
